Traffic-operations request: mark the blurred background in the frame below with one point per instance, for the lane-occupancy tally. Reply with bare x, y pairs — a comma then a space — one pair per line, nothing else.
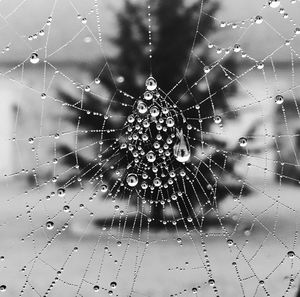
46, 101
71, 46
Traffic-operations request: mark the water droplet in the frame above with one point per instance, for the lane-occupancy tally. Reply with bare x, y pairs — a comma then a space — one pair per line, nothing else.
243, 141
130, 119
113, 285
211, 282
157, 182
222, 24
274, 3
170, 122
103, 188
142, 107
174, 197
165, 110
194, 290
49, 225
146, 124
34, 58
258, 19
96, 288
260, 65
230, 242
154, 169
261, 282
291, 254
148, 95
182, 173
206, 69
219, 51
154, 111
279, 99
61, 192
181, 149
132, 179
236, 48
151, 156
217, 119
151, 84
2, 288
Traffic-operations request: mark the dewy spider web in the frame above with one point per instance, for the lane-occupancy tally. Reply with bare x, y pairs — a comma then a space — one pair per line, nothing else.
50, 244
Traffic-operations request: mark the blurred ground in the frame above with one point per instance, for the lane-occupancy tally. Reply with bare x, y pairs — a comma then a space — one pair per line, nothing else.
160, 269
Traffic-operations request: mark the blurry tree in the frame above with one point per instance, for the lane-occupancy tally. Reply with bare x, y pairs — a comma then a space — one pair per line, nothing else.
180, 54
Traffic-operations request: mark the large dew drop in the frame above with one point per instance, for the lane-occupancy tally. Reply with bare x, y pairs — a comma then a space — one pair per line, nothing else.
151, 156
151, 84
181, 149
132, 180
142, 107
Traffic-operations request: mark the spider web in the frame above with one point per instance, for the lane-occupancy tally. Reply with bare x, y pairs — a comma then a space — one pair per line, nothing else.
49, 242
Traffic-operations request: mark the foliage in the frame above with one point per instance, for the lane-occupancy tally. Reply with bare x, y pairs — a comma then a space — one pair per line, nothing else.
179, 57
